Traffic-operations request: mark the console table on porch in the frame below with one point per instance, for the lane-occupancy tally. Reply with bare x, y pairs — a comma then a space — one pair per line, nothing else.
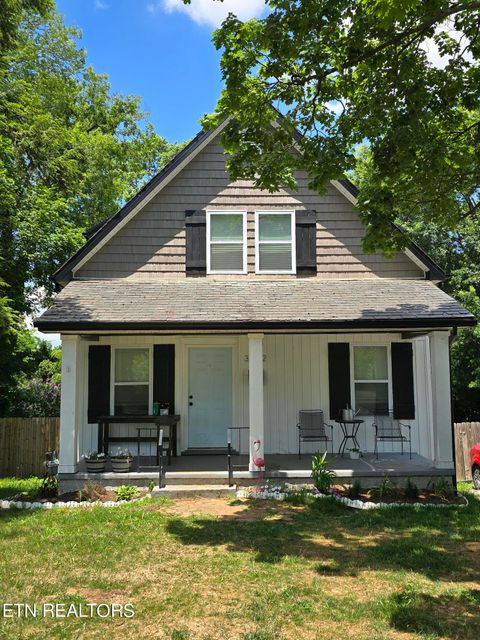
170, 421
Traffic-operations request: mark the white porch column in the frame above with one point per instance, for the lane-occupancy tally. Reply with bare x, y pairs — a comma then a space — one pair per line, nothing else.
69, 404
255, 400
441, 401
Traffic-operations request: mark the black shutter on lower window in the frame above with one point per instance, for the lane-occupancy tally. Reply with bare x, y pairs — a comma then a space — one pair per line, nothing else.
338, 377
98, 382
402, 381
306, 242
164, 375
196, 243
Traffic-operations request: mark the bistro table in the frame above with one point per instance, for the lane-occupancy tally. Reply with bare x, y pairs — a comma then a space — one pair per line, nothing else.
170, 421
349, 429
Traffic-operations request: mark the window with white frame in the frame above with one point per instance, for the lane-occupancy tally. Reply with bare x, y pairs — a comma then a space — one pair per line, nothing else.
371, 380
131, 381
275, 242
226, 242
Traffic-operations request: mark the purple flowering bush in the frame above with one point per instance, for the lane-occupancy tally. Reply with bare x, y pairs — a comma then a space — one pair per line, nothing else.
37, 397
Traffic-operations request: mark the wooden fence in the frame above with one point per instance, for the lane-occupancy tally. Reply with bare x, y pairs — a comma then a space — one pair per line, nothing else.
466, 435
23, 443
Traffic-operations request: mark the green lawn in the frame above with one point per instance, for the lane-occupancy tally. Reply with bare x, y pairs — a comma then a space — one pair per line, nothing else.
257, 571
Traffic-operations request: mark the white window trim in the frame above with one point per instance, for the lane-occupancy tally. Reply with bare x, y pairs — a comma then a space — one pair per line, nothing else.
244, 242
113, 384
388, 381
293, 270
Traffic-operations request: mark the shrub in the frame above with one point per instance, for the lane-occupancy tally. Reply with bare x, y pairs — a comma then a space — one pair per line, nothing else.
321, 474
126, 492
441, 488
411, 490
354, 490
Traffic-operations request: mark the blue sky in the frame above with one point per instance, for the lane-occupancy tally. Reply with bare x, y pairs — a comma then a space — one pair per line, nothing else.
160, 50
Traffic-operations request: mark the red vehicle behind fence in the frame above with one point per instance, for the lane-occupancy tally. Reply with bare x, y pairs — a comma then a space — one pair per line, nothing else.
475, 458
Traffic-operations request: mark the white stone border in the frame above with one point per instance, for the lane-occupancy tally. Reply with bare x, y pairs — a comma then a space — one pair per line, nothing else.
354, 504
17, 504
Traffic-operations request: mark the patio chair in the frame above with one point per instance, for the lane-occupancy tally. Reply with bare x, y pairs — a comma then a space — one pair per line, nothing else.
311, 428
388, 428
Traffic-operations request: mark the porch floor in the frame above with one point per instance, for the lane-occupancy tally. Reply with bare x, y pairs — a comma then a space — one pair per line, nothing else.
287, 467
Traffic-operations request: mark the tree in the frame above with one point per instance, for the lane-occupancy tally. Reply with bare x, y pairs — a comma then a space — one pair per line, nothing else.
458, 254
342, 72
71, 153
12, 14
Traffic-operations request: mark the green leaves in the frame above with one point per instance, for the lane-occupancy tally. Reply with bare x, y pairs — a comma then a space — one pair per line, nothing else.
368, 62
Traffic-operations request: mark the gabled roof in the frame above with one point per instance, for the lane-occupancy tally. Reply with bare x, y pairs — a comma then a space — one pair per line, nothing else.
101, 230
201, 303
99, 233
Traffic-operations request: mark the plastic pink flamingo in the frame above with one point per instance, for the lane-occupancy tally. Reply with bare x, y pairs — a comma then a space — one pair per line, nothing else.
258, 462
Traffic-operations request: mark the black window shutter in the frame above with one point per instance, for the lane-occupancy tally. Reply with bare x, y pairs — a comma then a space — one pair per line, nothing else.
196, 243
164, 375
306, 242
402, 381
98, 382
338, 377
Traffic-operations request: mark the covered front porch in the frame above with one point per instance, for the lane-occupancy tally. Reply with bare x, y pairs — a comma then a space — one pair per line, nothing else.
212, 470
260, 381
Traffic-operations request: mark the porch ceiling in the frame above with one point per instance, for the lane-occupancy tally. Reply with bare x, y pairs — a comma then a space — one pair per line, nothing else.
253, 304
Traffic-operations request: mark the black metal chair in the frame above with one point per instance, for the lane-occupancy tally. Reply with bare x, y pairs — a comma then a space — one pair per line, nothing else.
388, 428
311, 428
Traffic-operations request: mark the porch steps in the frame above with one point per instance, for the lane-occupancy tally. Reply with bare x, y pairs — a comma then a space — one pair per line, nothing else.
193, 491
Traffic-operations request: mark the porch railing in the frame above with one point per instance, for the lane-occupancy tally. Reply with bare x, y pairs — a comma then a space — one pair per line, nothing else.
231, 433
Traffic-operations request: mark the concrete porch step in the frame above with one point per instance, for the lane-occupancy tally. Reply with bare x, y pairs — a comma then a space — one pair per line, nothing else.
194, 490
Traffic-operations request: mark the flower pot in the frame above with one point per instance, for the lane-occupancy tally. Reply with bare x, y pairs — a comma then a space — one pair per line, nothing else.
95, 466
121, 465
354, 455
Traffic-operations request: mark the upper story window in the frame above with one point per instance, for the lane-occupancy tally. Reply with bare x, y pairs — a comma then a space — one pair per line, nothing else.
371, 380
275, 242
226, 242
131, 381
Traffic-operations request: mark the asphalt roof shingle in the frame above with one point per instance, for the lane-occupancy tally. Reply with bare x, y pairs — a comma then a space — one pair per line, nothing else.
204, 302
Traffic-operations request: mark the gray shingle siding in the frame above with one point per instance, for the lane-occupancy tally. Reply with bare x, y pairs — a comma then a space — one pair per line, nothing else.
152, 244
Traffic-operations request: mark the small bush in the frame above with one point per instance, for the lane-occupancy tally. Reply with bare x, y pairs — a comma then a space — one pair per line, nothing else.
322, 476
441, 488
411, 490
354, 490
92, 491
151, 485
126, 492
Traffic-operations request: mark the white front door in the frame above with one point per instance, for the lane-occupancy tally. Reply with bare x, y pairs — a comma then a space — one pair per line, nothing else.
209, 396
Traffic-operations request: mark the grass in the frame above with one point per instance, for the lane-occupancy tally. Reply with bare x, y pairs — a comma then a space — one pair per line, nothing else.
261, 571
12, 486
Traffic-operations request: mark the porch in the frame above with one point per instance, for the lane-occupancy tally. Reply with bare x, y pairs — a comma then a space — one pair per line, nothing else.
263, 380
212, 470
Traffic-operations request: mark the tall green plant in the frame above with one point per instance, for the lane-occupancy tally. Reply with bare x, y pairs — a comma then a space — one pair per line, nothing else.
322, 476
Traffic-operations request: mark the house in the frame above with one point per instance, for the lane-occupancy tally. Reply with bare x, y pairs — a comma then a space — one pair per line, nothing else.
235, 306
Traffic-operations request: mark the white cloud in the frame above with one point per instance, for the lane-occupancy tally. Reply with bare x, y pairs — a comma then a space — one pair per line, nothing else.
210, 12
431, 49
99, 4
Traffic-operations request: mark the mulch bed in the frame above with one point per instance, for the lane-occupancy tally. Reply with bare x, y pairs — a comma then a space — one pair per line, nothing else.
397, 495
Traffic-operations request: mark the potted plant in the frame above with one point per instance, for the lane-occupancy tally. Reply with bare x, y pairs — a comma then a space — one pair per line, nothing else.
121, 461
95, 461
355, 454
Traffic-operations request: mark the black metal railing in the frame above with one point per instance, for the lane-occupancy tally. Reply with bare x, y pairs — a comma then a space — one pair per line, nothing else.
231, 451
